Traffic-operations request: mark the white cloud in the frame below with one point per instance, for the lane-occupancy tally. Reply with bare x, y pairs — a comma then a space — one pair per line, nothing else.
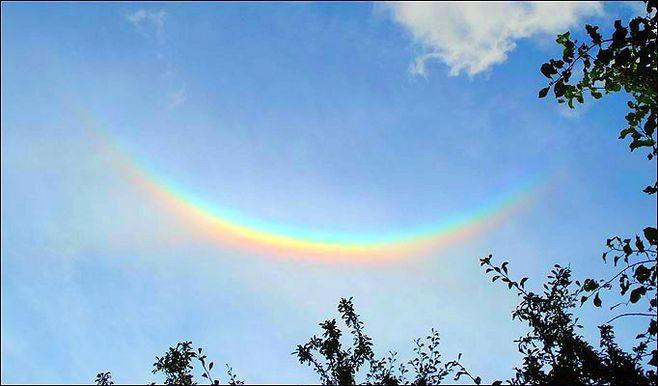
149, 23
472, 37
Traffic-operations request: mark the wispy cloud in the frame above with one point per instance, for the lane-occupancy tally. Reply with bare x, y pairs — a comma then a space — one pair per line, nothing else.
472, 37
178, 97
149, 23
566, 112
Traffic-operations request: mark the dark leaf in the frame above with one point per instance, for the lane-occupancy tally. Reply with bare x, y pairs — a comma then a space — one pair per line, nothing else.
523, 280
548, 70
642, 273
651, 234
637, 293
597, 300
654, 358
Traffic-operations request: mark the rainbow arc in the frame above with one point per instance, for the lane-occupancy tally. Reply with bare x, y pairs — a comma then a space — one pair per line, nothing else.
234, 229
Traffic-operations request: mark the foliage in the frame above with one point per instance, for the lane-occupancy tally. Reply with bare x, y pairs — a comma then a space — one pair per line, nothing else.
553, 350
626, 60
177, 365
104, 378
636, 281
337, 365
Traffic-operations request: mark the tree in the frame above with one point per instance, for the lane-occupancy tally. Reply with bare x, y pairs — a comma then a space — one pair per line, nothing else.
177, 365
340, 366
104, 378
626, 60
553, 350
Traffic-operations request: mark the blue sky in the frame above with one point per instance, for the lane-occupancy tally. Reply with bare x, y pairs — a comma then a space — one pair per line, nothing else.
350, 116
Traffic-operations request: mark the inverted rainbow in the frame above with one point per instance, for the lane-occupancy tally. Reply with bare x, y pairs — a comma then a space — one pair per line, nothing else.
235, 229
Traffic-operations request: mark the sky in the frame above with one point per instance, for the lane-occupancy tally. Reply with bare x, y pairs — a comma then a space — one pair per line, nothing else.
204, 171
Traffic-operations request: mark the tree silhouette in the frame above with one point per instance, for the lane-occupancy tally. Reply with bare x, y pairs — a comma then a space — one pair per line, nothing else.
553, 350
339, 366
627, 60
104, 378
177, 365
